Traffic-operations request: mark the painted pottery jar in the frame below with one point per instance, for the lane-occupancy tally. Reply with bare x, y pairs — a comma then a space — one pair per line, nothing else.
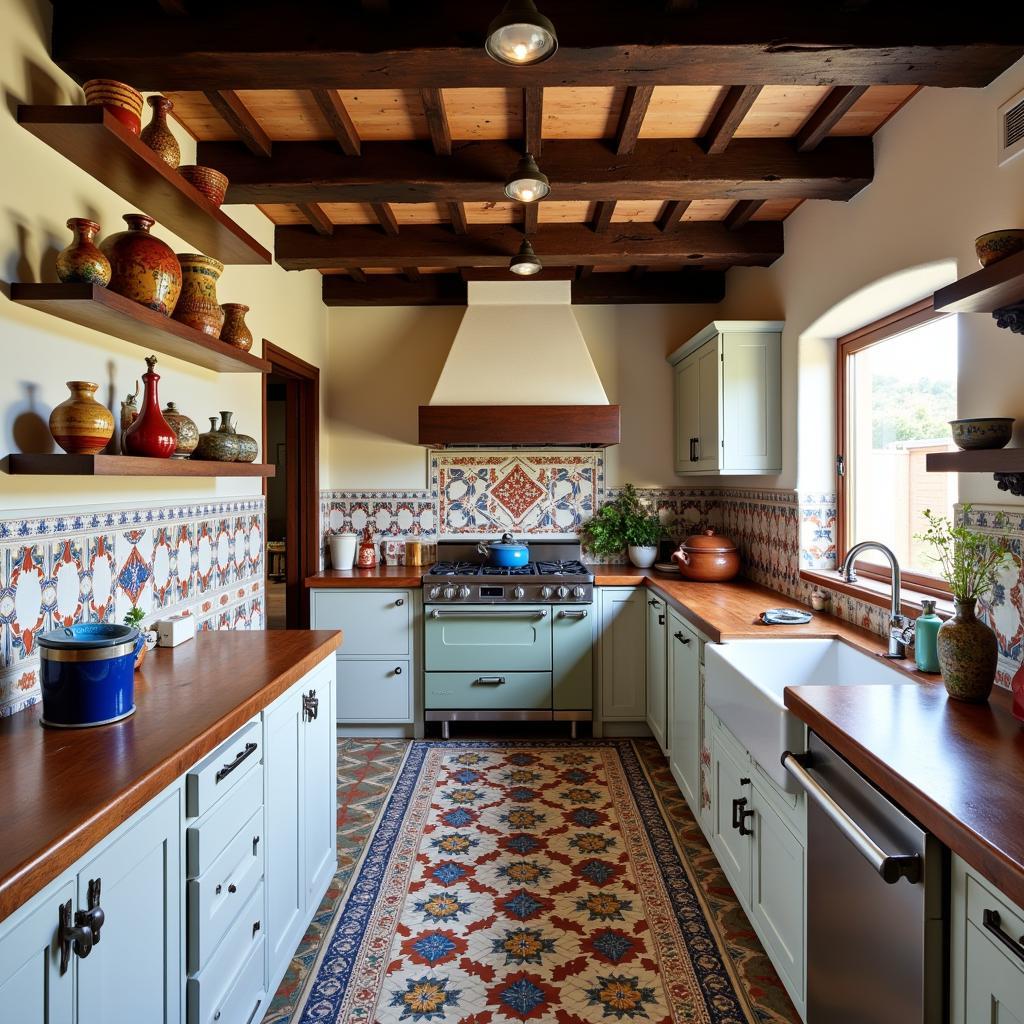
157, 136
366, 557
80, 424
83, 262
129, 414
968, 654
143, 268
120, 100
197, 305
248, 449
235, 332
206, 180
150, 435
185, 430
218, 444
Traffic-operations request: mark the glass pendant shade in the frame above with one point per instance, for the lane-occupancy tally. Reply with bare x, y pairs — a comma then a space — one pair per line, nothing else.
528, 182
520, 35
525, 263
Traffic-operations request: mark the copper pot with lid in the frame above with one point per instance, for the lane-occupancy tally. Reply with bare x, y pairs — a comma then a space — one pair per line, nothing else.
706, 557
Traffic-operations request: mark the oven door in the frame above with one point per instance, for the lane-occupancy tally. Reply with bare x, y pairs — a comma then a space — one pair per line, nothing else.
487, 638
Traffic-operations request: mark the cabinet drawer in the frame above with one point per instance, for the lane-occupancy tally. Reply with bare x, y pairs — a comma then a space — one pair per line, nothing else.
215, 898
206, 839
981, 899
374, 691
220, 772
488, 691
373, 621
209, 991
246, 1000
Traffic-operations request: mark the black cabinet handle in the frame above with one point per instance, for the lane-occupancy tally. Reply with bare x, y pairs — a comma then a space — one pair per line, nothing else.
310, 706
77, 935
400, 602
993, 925
255, 844
682, 639
653, 602
223, 773
398, 670
694, 441
661, 620
740, 815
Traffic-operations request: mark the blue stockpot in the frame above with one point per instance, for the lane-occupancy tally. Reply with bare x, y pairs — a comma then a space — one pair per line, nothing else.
88, 673
506, 553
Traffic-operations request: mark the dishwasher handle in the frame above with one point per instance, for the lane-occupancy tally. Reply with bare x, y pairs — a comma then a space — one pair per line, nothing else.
892, 867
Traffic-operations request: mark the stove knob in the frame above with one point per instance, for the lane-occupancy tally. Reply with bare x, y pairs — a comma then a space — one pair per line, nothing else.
449, 593
518, 592
563, 592
546, 592
578, 592
434, 591
463, 591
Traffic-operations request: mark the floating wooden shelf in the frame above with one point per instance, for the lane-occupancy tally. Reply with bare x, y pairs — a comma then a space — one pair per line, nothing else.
991, 288
1005, 464
103, 147
127, 465
106, 311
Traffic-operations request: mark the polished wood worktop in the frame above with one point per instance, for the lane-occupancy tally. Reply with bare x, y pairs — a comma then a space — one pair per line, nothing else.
955, 767
365, 579
65, 789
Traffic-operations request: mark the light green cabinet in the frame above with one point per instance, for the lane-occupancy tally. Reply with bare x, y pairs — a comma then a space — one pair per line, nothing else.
657, 670
622, 653
572, 659
685, 712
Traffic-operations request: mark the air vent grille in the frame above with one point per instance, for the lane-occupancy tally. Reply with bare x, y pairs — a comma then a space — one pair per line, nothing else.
1011, 128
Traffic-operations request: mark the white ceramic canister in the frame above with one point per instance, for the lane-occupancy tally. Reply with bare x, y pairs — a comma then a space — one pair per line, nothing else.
343, 550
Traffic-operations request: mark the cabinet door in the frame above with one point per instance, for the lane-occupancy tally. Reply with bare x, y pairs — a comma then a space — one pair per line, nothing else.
687, 413
708, 448
657, 671
751, 402
684, 707
731, 783
134, 973
320, 789
572, 659
375, 622
623, 647
994, 986
373, 691
32, 988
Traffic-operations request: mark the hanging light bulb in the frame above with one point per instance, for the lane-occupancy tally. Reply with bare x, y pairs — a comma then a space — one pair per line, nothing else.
525, 263
528, 183
520, 35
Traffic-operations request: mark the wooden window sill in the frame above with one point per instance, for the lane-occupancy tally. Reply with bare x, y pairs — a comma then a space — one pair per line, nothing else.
877, 592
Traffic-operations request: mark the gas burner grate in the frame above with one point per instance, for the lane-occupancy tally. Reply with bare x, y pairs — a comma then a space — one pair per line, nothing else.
455, 569
566, 568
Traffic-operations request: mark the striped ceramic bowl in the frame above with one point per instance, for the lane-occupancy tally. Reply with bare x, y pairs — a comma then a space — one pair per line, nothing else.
124, 102
210, 182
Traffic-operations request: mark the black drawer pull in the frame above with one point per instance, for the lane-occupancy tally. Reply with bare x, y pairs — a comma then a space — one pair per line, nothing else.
489, 680
740, 815
223, 773
400, 602
682, 639
993, 925
398, 670
661, 620
693, 449
232, 888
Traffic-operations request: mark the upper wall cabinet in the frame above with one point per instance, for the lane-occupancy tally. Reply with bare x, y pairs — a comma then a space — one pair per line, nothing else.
728, 399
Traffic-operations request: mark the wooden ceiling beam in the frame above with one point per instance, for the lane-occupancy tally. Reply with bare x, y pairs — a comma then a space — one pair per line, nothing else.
433, 45
386, 218
241, 122
340, 121
634, 109
603, 211
412, 274
356, 274
663, 169
533, 120
582, 273
437, 121
741, 213
457, 216
673, 214
828, 113
493, 245
737, 101
705, 286
531, 217
314, 213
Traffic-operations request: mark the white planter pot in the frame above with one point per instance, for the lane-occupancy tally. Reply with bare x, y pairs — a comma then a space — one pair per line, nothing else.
642, 558
343, 550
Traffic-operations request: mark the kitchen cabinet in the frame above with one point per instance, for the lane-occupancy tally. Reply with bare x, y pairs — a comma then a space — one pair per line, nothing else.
572, 659
685, 711
657, 670
728, 399
622, 647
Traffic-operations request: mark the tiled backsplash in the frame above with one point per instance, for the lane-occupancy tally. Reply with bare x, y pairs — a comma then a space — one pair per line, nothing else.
203, 559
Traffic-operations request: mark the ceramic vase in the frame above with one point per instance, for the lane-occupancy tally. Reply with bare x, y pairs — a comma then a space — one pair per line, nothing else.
218, 444
184, 429
80, 425
120, 100
83, 262
197, 305
157, 136
143, 268
235, 332
248, 449
968, 654
150, 435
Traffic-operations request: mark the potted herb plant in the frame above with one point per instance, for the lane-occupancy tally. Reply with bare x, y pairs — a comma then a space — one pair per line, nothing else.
134, 617
625, 522
970, 563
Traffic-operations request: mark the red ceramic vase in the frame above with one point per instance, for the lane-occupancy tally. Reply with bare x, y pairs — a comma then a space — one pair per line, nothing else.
150, 435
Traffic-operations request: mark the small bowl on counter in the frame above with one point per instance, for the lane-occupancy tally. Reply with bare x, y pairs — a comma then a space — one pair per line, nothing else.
982, 433
994, 246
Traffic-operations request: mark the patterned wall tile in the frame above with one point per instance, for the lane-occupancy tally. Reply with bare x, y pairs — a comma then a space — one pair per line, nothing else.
818, 519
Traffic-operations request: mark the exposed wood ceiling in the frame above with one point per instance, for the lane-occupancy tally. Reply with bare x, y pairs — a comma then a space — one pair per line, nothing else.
677, 136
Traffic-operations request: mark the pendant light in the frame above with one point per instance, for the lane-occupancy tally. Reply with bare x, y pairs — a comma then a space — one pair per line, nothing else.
520, 35
525, 263
528, 182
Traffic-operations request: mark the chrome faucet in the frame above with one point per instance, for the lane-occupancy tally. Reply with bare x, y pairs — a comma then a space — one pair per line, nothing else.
901, 628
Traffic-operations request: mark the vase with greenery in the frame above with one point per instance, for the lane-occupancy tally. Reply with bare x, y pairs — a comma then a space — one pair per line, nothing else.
624, 523
134, 617
970, 562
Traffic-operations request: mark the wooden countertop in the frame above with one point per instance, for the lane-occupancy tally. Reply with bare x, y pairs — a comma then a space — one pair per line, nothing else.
382, 576
954, 767
65, 789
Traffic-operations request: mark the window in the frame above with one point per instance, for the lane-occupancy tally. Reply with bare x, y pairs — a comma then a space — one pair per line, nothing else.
896, 394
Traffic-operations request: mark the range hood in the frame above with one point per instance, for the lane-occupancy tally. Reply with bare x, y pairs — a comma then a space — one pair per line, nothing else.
519, 374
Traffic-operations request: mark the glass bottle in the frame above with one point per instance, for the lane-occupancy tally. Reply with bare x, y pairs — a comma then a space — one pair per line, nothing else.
926, 631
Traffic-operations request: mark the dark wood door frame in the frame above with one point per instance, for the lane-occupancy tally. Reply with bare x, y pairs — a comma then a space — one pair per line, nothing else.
302, 469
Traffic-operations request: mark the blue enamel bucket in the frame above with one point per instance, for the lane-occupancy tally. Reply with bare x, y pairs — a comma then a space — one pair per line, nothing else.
88, 674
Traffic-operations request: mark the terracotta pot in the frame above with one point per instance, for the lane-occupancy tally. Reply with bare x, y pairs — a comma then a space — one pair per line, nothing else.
185, 430
157, 136
80, 425
144, 269
197, 305
122, 101
150, 435
218, 444
83, 260
968, 654
707, 557
235, 332
207, 180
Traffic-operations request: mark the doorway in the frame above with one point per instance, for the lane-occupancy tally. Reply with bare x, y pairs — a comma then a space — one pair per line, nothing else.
291, 443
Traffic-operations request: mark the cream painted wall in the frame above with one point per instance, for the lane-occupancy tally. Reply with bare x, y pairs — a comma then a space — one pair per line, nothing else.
39, 190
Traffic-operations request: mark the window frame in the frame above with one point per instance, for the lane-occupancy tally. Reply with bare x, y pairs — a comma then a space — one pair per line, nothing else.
848, 345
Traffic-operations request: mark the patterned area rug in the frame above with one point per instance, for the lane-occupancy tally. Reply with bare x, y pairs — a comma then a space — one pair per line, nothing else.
516, 881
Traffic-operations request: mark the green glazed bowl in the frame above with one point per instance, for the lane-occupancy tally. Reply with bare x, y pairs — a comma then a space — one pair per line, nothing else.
982, 432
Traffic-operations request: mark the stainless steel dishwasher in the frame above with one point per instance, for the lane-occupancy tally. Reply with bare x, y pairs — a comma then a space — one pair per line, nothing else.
877, 897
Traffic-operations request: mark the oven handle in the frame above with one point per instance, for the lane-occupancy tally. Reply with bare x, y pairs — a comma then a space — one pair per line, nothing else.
488, 613
579, 613
892, 867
